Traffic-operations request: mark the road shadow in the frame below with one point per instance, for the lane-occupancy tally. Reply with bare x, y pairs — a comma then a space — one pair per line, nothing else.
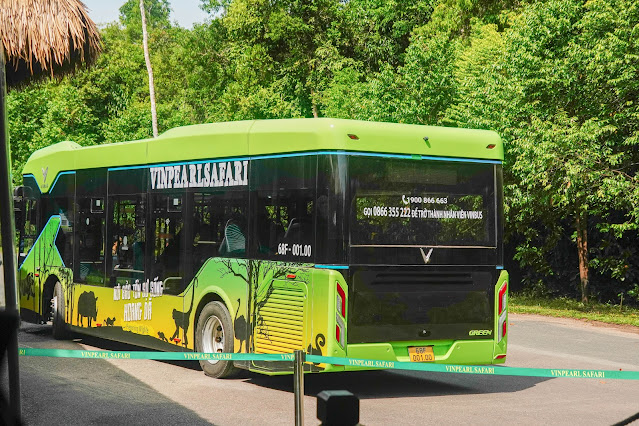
112, 345
399, 384
364, 384
91, 392
75, 340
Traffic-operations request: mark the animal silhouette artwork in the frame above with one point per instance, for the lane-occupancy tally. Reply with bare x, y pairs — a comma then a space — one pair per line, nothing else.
87, 308
162, 337
239, 326
109, 321
320, 341
27, 286
182, 321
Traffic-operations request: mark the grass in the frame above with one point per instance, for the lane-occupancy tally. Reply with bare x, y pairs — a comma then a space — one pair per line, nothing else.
570, 308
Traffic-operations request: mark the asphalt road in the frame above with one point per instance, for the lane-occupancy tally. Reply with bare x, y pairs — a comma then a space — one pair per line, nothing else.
89, 391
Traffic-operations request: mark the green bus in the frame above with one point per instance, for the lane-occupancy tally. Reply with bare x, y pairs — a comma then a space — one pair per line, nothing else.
342, 238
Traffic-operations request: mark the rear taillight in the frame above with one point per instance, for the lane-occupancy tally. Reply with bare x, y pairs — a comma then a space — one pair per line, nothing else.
341, 300
502, 326
502, 297
340, 316
502, 310
339, 330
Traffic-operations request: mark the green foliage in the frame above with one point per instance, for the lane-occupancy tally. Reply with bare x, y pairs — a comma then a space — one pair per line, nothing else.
558, 79
379, 31
157, 16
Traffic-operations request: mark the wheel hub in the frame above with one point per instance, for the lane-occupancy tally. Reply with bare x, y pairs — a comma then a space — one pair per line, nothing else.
213, 337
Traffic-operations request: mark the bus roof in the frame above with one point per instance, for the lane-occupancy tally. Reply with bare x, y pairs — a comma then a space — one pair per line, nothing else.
265, 137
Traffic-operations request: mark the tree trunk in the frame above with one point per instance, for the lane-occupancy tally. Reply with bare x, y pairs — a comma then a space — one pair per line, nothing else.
314, 105
582, 250
147, 58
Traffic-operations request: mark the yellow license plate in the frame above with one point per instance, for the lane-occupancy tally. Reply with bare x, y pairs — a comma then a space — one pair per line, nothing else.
421, 353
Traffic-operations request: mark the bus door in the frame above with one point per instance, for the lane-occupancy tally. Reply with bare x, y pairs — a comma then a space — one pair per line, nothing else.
26, 215
126, 259
168, 253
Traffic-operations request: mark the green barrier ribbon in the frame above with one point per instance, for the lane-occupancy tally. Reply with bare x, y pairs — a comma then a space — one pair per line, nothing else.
158, 356
477, 369
351, 362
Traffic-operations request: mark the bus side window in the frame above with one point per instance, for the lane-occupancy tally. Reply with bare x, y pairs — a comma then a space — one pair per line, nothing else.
219, 225
90, 234
283, 192
28, 230
169, 248
127, 239
63, 206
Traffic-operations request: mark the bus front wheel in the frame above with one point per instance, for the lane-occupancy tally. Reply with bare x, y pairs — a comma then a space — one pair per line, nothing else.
57, 308
214, 334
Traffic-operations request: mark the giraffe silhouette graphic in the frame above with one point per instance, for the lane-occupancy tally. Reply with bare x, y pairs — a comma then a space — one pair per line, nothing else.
239, 325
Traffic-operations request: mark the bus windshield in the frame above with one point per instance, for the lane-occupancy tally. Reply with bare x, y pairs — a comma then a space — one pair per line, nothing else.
405, 202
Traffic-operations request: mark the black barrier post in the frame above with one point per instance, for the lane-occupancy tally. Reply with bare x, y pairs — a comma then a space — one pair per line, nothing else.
8, 329
8, 238
298, 387
337, 407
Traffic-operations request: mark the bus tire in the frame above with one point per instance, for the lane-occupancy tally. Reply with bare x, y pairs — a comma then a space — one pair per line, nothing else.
60, 331
214, 334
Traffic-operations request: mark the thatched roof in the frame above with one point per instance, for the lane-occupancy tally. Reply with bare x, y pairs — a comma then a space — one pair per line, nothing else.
43, 38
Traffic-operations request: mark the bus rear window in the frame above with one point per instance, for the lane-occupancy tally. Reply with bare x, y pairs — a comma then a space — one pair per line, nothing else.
402, 202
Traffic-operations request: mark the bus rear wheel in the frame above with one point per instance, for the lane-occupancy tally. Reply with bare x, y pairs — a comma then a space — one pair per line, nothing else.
60, 331
214, 334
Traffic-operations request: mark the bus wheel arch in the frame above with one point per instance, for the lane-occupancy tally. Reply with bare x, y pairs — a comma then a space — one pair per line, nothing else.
214, 334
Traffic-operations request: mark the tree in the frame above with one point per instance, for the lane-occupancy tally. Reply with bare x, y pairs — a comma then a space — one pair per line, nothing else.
571, 157
157, 14
290, 44
147, 58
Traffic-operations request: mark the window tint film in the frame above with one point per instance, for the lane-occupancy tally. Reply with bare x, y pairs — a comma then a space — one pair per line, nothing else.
219, 221
398, 202
90, 233
26, 218
60, 203
169, 249
332, 184
127, 239
283, 208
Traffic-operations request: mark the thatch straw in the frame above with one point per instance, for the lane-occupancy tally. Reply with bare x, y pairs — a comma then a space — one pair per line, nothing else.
49, 37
